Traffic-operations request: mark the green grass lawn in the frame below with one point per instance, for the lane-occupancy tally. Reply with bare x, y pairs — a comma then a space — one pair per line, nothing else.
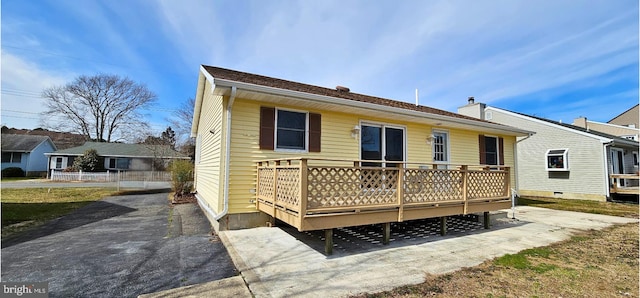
28, 207
606, 208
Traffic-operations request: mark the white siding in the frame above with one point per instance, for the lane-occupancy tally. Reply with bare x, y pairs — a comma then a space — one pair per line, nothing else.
586, 175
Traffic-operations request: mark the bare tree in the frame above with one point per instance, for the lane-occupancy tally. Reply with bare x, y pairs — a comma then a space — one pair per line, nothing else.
101, 107
181, 120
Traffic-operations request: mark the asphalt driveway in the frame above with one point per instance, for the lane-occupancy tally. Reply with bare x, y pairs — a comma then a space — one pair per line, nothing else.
120, 246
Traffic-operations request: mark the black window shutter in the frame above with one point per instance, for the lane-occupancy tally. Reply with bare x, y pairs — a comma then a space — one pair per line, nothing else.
314, 132
483, 148
267, 127
501, 150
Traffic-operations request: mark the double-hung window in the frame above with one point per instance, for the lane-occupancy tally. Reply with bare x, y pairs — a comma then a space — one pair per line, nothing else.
557, 159
291, 130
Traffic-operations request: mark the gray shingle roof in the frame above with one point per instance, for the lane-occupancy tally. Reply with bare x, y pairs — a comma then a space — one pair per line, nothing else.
616, 139
21, 143
124, 150
244, 77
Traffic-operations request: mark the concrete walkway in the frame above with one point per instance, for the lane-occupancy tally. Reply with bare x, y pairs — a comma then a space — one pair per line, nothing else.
279, 262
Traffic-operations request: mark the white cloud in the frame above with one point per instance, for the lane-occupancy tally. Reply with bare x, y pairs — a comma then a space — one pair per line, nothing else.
493, 50
22, 84
194, 29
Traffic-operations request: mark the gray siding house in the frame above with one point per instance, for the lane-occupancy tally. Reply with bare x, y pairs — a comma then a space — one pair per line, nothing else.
118, 156
26, 152
562, 160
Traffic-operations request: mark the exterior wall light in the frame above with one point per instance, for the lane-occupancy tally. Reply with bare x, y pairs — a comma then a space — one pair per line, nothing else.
355, 132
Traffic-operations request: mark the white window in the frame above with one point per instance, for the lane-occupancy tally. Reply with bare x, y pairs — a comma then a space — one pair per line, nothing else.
59, 162
492, 150
557, 159
291, 130
635, 158
440, 147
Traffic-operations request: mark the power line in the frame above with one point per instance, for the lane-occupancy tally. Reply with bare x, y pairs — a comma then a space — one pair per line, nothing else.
21, 117
20, 91
15, 111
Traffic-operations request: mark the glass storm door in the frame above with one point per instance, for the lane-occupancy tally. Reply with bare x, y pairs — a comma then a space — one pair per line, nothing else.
381, 143
617, 157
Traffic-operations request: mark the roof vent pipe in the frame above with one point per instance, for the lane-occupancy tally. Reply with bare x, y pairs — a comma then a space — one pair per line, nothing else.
342, 89
417, 102
471, 100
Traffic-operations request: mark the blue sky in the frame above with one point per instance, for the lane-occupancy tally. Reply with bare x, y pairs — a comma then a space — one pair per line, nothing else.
554, 59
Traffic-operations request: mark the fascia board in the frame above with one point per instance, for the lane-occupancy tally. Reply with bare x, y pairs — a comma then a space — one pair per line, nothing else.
601, 139
364, 105
613, 125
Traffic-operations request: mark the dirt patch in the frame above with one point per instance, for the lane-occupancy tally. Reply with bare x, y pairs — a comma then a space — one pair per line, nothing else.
591, 264
184, 199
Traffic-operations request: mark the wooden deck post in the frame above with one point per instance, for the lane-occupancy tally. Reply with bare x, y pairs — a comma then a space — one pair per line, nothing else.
465, 190
400, 192
258, 166
443, 226
275, 188
304, 189
507, 182
328, 241
487, 220
386, 233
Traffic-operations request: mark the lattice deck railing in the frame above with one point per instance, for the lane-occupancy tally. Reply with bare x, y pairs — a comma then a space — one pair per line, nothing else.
295, 189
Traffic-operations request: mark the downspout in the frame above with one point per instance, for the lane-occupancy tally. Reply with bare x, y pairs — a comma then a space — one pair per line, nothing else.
606, 169
225, 209
514, 191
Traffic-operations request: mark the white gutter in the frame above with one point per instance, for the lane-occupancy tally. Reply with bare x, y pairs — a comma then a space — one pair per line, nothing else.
225, 209
365, 105
198, 104
606, 169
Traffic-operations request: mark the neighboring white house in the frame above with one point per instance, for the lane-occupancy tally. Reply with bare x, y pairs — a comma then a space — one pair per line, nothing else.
118, 156
26, 152
563, 160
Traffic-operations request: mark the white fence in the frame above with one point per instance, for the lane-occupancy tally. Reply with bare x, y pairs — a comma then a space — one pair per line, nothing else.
110, 176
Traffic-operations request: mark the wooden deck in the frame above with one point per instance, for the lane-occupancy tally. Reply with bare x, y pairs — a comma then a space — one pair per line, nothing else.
631, 184
313, 194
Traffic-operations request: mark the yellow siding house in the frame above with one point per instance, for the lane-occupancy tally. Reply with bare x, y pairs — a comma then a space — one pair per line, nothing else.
321, 158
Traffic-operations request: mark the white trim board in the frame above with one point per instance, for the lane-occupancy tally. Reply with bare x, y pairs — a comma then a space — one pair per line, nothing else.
601, 139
